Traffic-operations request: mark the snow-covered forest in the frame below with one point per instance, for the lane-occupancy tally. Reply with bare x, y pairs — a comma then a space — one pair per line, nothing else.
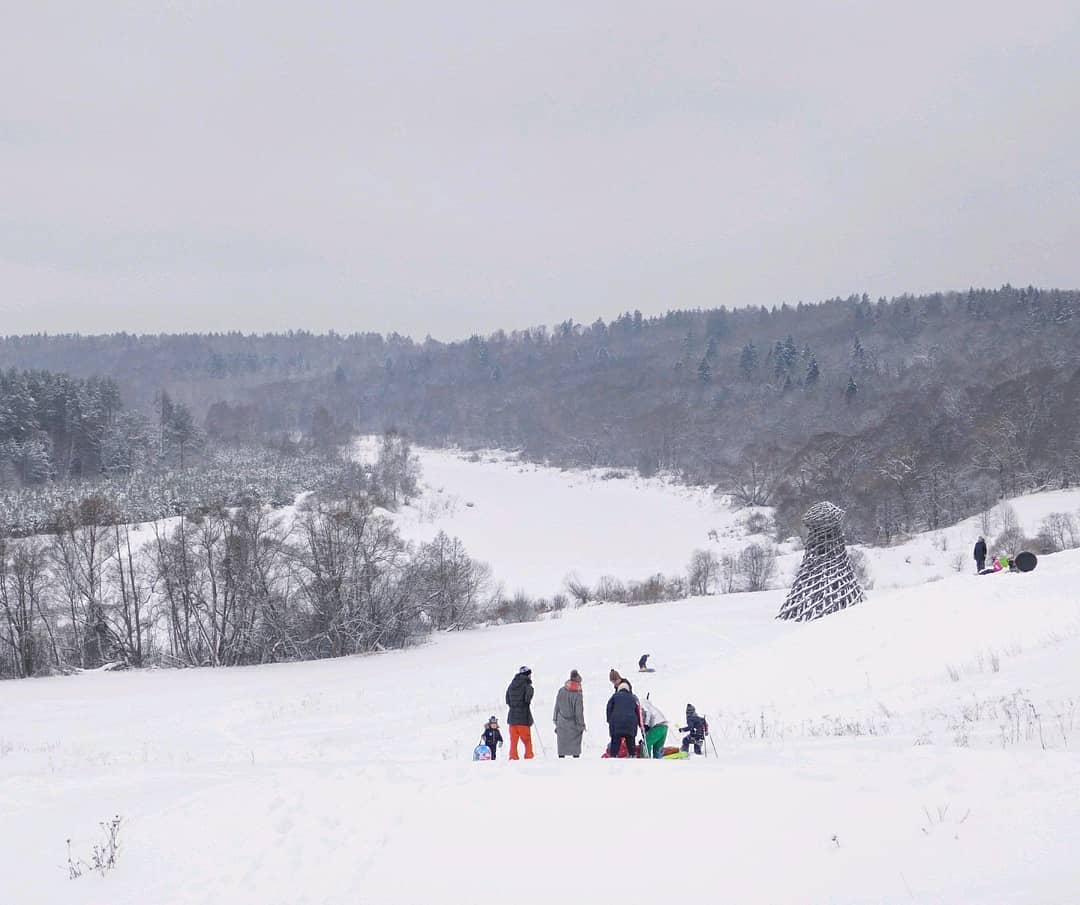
226, 584
877, 406
910, 412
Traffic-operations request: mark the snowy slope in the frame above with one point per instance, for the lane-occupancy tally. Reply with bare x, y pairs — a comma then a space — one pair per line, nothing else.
536, 525
934, 555
918, 748
348, 780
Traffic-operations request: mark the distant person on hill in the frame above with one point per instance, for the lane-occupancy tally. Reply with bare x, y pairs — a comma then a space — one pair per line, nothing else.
569, 716
656, 727
492, 737
623, 719
519, 697
696, 729
643, 664
980, 554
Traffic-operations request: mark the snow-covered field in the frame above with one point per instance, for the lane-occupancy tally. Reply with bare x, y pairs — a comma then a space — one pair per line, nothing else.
921, 747
537, 525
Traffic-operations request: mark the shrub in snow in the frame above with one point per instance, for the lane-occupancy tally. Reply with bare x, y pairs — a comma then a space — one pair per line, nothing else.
1011, 541
610, 590
757, 565
758, 522
578, 590
102, 855
860, 564
1058, 531
729, 575
703, 572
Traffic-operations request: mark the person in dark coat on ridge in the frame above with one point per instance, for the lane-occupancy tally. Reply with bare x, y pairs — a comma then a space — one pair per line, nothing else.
623, 719
980, 554
492, 736
519, 697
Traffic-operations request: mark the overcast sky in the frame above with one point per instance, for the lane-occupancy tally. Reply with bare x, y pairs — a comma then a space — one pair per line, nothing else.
453, 167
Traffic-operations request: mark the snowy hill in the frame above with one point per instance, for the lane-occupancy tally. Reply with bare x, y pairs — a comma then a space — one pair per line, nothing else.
917, 748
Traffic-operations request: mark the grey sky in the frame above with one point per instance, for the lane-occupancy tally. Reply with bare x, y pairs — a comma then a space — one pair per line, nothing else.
447, 168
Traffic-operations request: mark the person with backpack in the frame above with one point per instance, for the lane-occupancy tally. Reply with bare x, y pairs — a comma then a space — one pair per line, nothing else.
656, 727
696, 729
491, 736
519, 695
623, 719
569, 716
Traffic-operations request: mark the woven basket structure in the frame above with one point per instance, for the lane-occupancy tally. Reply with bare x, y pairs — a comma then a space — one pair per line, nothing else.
826, 581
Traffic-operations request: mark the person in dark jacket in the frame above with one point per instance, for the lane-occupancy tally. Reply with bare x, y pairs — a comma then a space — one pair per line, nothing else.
696, 729
492, 737
623, 719
519, 697
980, 554
616, 680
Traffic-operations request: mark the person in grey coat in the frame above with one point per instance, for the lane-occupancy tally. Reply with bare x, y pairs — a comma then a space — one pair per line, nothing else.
569, 716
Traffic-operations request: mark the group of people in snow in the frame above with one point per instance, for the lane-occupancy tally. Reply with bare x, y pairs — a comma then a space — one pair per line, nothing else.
627, 716
1000, 563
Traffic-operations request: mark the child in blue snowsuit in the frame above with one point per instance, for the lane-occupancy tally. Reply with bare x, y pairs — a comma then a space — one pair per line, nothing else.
492, 737
696, 729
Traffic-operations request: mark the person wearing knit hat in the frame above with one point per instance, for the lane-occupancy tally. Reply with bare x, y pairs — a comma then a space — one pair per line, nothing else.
618, 680
519, 697
696, 728
491, 736
569, 716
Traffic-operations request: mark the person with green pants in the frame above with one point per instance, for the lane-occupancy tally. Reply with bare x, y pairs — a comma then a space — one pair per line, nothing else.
655, 724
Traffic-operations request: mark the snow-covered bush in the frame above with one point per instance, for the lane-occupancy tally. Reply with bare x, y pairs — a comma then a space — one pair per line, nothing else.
757, 565
758, 522
703, 572
860, 564
578, 589
1011, 541
1058, 531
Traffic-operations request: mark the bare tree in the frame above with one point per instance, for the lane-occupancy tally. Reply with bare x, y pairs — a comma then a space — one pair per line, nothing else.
135, 581
1058, 531
757, 563
80, 554
703, 572
578, 589
754, 478
25, 631
450, 584
729, 575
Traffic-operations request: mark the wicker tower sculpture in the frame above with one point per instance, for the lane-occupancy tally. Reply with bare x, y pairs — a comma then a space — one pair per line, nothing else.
826, 582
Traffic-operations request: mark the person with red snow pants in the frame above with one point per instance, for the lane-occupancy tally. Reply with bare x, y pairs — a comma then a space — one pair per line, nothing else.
519, 697
623, 718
